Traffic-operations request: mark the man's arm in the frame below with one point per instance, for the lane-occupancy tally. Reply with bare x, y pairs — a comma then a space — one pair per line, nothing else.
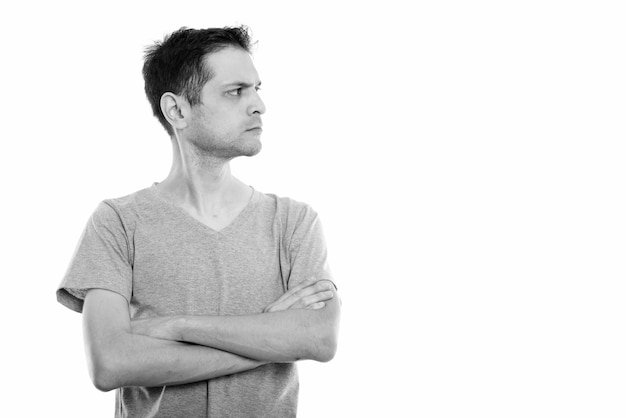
116, 357
275, 336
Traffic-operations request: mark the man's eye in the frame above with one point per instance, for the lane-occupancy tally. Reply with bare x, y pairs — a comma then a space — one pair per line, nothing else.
236, 92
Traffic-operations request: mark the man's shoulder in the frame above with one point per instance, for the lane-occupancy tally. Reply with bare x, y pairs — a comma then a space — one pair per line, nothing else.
131, 199
127, 207
288, 209
283, 203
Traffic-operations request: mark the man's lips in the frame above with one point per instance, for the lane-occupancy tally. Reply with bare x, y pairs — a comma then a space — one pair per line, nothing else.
256, 123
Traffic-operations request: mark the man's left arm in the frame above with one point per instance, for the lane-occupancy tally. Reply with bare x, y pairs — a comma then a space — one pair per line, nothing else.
302, 324
285, 331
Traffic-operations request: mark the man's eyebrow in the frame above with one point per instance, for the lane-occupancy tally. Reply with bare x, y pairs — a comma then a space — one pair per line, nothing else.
241, 84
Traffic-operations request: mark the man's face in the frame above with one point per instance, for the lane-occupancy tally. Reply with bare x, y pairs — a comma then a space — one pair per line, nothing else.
227, 123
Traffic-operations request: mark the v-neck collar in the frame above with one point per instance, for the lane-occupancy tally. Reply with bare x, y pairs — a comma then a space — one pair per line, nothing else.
239, 219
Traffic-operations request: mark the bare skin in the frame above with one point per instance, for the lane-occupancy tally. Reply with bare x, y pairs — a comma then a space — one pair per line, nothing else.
121, 352
294, 327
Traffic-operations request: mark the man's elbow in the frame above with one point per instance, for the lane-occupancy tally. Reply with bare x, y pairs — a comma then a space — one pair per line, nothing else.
324, 345
103, 382
326, 351
102, 379
103, 371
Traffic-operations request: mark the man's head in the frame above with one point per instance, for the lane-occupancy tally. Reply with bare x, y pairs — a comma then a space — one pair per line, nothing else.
178, 65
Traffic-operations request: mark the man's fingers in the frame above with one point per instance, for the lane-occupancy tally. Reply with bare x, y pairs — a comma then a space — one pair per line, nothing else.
313, 288
302, 295
284, 301
290, 292
308, 301
303, 285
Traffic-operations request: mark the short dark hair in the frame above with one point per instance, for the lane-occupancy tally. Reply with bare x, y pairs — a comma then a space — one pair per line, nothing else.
177, 64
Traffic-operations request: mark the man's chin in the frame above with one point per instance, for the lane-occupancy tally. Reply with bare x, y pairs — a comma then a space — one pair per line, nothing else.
249, 151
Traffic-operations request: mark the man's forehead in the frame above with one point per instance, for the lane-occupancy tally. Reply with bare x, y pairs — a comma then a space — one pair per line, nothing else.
232, 65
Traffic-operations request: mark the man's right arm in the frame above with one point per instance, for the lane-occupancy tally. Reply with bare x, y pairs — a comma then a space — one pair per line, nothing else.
116, 357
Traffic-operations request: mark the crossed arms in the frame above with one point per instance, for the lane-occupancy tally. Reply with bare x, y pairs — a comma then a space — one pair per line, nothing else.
301, 324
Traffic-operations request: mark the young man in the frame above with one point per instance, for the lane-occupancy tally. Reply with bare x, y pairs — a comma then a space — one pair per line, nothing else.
200, 293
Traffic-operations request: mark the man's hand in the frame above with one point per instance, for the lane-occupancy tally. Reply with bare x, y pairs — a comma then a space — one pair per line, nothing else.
310, 294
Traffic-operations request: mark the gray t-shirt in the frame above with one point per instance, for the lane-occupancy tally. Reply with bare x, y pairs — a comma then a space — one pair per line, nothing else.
165, 262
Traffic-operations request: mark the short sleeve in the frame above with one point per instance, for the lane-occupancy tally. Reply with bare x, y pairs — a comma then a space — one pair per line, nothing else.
101, 260
307, 250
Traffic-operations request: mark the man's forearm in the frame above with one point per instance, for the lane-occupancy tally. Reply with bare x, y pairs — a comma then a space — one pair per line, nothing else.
119, 357
138, 360
283, 336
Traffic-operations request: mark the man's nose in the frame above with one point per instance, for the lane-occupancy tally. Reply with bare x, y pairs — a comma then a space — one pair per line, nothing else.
256, 105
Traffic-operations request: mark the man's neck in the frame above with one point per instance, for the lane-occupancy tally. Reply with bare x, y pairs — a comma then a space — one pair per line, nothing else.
204, 185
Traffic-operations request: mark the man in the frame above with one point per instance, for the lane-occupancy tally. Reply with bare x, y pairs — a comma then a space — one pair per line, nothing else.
200, 293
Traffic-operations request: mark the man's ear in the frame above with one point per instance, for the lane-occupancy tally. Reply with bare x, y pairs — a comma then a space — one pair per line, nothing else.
176, 110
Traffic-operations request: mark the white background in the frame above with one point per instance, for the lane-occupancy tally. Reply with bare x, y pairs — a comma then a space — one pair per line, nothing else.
467, 160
